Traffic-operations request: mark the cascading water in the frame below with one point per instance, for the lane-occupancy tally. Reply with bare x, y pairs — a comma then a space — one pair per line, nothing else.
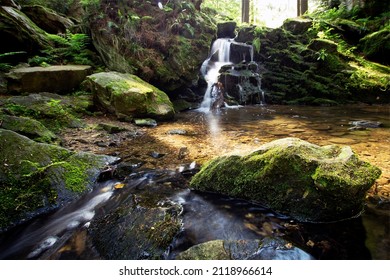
219, 56
231, 63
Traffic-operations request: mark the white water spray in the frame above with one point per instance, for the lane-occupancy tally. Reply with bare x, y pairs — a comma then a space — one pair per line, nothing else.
219, 56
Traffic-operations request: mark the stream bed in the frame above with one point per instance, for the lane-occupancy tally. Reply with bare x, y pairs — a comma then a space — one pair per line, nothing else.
161, 182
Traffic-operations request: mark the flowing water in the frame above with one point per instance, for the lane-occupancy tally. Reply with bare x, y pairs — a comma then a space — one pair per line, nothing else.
65, 234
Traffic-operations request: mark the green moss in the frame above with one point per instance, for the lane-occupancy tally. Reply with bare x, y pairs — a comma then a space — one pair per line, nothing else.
293, 177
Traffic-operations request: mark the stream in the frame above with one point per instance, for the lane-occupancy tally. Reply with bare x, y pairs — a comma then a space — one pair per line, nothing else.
72, 232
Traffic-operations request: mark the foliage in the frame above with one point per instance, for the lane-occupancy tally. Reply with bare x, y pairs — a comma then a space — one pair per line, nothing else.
226, 10
60, 6
73, 48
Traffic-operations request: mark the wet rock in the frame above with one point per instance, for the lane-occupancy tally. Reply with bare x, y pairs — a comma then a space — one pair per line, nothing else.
267, 249
27, 127
246, 34
177, 132
128, 95
36, 177
365, 124
226, 29
57, 79
156, 155
294, 177
145, 122
48, 19
142, 226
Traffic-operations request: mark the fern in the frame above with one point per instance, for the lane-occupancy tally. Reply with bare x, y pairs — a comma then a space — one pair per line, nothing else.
256, 45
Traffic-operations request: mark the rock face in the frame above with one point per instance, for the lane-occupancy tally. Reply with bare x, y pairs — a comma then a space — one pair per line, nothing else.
128, 96
34, 177
58, 79
19, 33
267, 249
294, 177
163, 47
47, 19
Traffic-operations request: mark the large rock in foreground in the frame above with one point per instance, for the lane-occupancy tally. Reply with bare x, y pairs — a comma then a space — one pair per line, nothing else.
127, 95
266, 249
35, 177
294, 177
58, 78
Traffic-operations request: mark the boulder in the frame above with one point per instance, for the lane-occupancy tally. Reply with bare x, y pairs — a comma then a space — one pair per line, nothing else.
128, 96
47, 19
19, 33
226, 29
58, 78
35, 177
27, 127
267, 249
291, 176
142, 222
298, 25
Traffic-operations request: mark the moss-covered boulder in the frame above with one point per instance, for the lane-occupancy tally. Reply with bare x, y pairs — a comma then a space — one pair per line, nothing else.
35, 177
294, 177
27, 127
128, 96
266, 249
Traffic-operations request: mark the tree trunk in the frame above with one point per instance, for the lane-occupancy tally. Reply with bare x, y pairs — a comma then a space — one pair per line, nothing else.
302, 7
245, 11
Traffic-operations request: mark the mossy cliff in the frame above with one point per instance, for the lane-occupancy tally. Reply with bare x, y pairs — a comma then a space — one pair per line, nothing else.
164, 47
294, 177
323, 60
35, 177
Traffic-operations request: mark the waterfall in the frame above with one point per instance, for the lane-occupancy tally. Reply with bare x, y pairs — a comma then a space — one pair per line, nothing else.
240, 77
219, 56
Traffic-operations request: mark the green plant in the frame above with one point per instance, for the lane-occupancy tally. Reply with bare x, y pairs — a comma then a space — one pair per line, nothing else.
321, 54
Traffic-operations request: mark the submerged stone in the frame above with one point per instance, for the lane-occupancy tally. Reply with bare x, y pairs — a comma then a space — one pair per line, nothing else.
128, 95
294, 177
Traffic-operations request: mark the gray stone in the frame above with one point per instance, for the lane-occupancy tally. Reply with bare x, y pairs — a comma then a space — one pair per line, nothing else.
58, 79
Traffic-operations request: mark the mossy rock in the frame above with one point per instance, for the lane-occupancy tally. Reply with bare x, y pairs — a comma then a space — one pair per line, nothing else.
35, 177
52, 110
266, 249
128, 95
294, 177
27, 127
144, 223
376, 46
